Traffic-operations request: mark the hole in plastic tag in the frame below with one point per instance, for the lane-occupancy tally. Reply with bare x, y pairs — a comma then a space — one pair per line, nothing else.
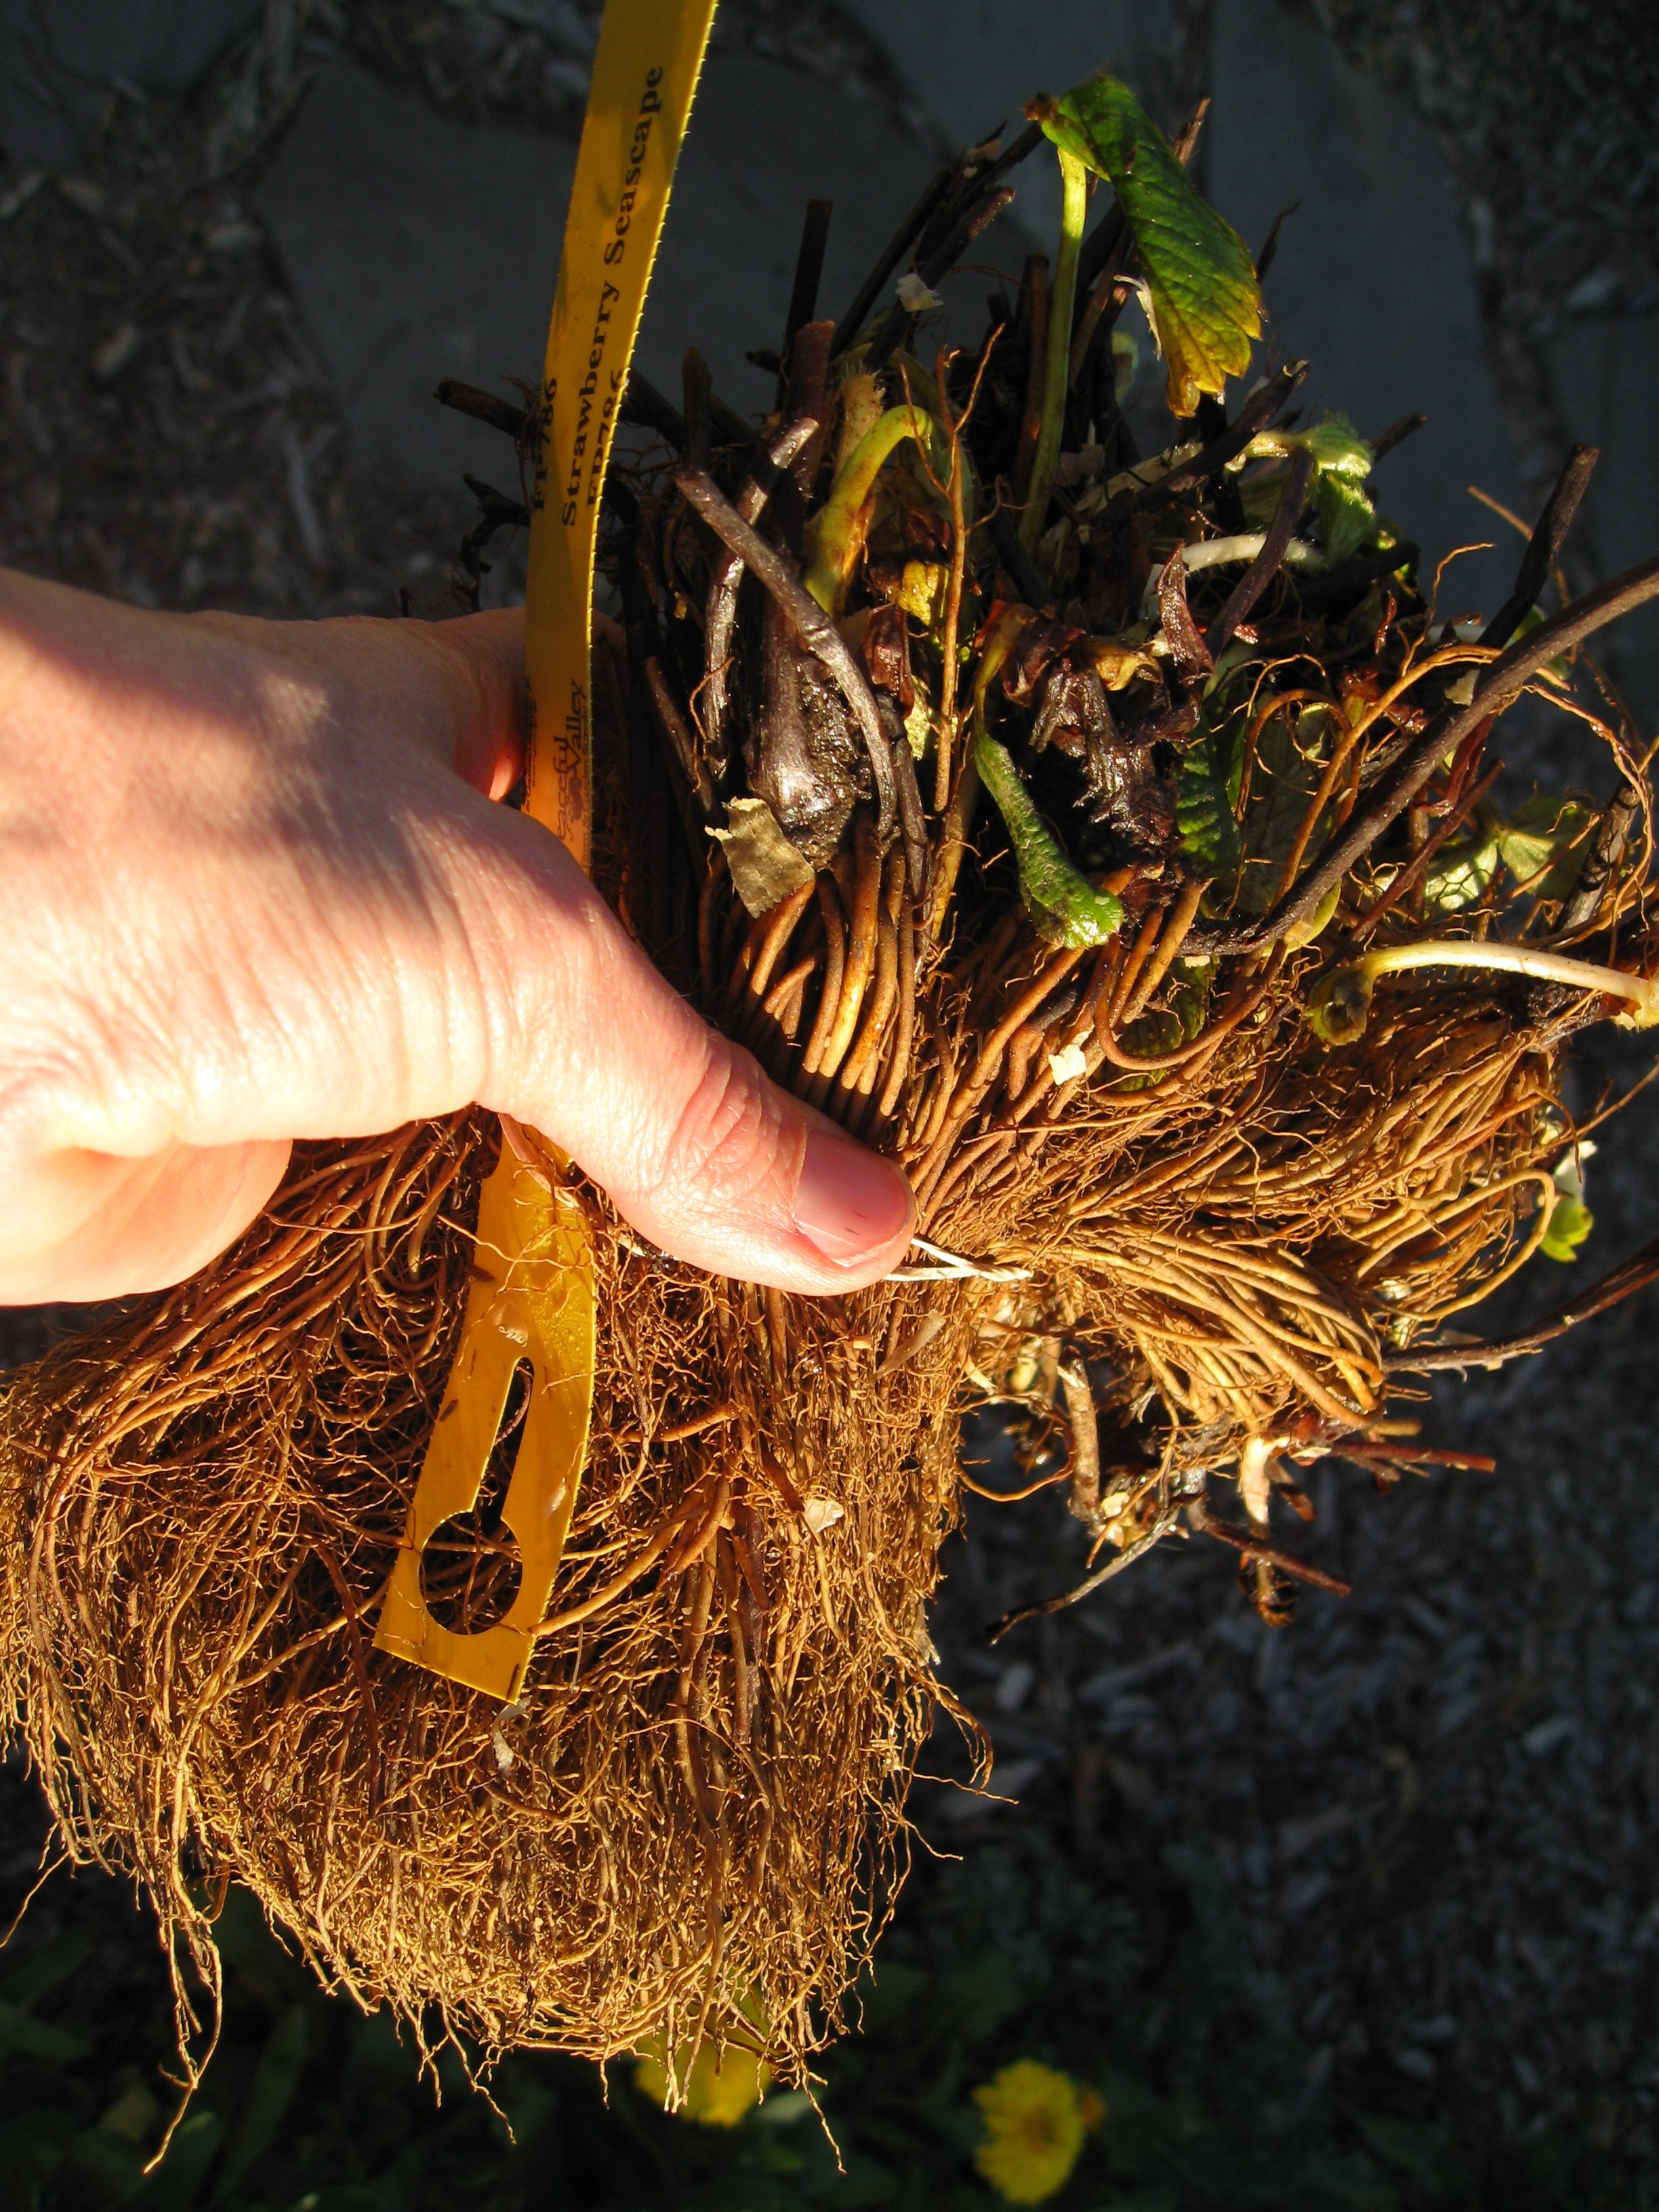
470, 1568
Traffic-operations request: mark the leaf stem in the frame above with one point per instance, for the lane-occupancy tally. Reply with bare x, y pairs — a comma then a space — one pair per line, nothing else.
953, 426
944, 734
835, 533
1074, 182
834, 536
1342, 1000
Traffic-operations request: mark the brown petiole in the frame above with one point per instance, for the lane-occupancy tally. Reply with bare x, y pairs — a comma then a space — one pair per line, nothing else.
1256, 413
1505, 680
721, 612
1267, 562
814, 627
1543, 546
1620, 1283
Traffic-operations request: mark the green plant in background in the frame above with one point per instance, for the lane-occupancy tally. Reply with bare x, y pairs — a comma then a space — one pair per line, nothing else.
1025, 2040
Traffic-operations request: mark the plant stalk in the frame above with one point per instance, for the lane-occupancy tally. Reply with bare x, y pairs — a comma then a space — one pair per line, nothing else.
1342, 1000
1074, 182
944, 733
1517, 960
835, 539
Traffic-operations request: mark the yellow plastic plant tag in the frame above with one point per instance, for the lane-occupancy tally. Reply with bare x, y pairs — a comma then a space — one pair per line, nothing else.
531, 1299
533, 1296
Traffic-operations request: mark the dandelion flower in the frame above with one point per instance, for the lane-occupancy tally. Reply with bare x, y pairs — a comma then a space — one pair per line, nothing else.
717, 2089
1035, 2123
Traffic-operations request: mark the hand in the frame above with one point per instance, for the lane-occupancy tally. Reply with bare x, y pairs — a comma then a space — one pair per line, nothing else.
253, 889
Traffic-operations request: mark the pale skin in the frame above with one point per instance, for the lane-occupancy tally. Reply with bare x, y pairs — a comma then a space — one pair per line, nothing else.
253, 889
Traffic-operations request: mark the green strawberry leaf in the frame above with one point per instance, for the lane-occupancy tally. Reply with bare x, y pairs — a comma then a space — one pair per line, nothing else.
1544, 844
1337, 447
1063, 903
1163, 1029
1206, 302
1571, 1220
1461, 876
1348, 521
1533, 619
1289, 765
1204, 814
1314, 925
1569, 1224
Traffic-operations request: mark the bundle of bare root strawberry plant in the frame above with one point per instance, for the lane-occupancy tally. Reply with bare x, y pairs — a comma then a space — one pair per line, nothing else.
1112, 841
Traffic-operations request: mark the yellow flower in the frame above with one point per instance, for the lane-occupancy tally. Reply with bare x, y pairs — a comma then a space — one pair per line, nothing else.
717, 2090
1035, 2123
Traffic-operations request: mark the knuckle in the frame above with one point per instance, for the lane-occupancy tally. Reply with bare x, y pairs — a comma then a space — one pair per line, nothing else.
729, 1135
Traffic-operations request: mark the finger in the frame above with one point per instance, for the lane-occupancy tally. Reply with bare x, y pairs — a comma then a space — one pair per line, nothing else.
455, 689
115, 1227
489, 736
506, 980
300, 923
699, 1150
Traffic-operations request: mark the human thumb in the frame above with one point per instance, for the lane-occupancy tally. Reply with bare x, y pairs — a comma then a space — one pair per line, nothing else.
697, 1148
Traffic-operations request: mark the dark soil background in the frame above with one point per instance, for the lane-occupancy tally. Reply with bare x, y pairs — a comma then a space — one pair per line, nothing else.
1434, 1804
